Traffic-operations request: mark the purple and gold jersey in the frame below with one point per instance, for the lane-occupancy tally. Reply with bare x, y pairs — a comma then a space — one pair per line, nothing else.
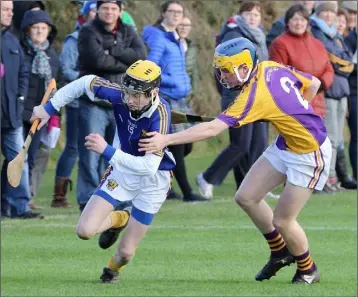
274, 94
130, 130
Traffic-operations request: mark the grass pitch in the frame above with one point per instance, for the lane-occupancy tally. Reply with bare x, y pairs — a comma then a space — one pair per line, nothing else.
208, 249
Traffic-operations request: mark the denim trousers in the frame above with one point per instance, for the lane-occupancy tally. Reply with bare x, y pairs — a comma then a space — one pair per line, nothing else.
91, 166
14, 201
68, 158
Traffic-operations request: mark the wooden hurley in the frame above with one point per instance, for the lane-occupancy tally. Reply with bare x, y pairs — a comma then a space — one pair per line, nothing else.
14, 169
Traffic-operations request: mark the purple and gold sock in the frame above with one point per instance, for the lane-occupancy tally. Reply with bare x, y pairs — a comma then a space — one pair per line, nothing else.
305, 264
276, 243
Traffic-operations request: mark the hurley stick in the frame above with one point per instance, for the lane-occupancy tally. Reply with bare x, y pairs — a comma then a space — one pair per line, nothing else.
14, 169
179, 118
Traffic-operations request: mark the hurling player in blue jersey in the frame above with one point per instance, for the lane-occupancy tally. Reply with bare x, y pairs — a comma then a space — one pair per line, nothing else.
133, 176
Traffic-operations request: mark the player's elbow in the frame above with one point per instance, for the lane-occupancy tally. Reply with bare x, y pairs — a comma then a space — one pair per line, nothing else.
215, 127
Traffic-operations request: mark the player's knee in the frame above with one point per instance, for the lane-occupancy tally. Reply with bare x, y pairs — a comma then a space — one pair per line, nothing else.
279, 222
242, 199
83, 232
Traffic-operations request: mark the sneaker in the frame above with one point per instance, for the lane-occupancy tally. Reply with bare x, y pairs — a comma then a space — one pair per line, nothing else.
274, 265
307, 279
29, 215
110, 236
329, 188
172, 195
193, 197
109, 277
349, 184
205, 189
271, 195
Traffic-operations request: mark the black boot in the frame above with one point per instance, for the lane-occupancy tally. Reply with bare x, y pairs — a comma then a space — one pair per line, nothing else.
347, 181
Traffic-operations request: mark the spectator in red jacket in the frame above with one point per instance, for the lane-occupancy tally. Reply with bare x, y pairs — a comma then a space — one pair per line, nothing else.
298, 48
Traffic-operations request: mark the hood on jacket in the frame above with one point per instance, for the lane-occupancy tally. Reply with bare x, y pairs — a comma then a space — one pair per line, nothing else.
20, 8
38, 16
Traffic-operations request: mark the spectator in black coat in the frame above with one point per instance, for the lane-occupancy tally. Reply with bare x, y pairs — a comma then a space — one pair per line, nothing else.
106, 48
37, 35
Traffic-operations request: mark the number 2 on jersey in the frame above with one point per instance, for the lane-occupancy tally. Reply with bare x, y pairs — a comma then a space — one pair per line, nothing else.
284, 80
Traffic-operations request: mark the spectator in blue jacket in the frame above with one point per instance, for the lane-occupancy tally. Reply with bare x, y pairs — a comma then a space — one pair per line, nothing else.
279, 26
70, 72
14, 84
167, 51
324, 28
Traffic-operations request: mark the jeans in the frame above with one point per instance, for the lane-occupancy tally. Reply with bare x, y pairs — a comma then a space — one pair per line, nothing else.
33, 150
334, 121
247, 143
352, 124
92, 119
16, 199
68, 158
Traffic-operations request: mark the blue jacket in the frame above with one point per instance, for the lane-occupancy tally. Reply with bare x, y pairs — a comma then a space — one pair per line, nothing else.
168, 53
15, 82
340, 57
351, 41
69, 57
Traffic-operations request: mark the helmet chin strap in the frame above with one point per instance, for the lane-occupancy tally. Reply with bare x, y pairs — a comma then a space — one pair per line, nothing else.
242, 80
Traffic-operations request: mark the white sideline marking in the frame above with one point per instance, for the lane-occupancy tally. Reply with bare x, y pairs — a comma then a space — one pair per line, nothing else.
12, 224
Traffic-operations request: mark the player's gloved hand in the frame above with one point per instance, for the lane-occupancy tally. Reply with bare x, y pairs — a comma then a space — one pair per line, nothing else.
40, 113
154, 143
95, 143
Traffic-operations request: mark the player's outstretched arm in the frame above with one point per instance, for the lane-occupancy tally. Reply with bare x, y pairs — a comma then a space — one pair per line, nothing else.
62, 97
199, 132
311, 91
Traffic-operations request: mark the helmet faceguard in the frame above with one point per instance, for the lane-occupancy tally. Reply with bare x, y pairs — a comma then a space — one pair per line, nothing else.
143, 77
231, 55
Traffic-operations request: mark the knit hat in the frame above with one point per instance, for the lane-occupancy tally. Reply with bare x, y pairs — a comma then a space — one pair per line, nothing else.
350, 5
325, 6
119, 3
87, 7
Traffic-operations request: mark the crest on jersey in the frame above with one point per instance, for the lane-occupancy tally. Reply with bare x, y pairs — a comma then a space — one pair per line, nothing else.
143, 133
111, 184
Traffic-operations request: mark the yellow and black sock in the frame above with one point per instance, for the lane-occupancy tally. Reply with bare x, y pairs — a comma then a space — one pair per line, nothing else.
119, 218
305, 264
116, 266
276, 243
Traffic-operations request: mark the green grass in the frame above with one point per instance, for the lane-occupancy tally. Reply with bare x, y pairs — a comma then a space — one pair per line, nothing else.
209, 249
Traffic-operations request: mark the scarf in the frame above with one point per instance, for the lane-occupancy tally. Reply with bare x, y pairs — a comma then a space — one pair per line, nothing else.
255, 35
330, 31
41, 64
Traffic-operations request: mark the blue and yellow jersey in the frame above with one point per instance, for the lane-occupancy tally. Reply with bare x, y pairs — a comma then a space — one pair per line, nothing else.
274, 94
130, 130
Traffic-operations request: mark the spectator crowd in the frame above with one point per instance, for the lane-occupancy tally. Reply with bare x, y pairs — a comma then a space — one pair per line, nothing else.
317, 37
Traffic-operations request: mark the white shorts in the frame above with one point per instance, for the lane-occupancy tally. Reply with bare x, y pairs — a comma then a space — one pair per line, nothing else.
147, 193
305, 170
